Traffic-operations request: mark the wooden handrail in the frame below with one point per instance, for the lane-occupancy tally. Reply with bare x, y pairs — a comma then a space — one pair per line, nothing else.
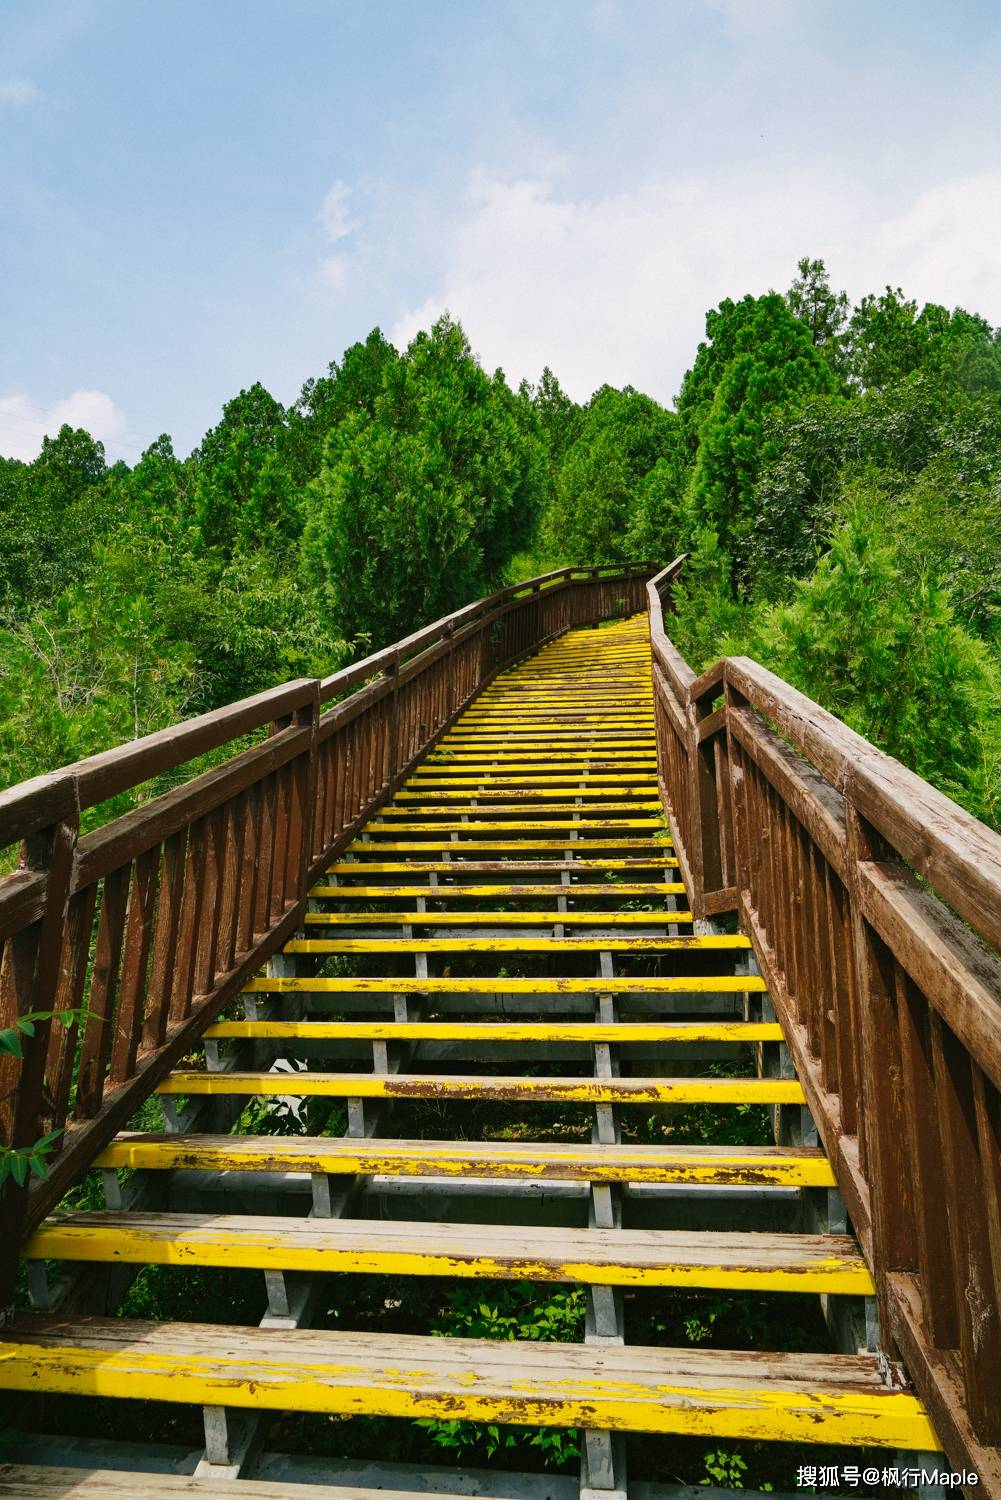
873, 903
151, 923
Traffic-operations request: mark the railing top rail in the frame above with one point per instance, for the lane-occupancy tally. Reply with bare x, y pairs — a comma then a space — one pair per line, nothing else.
664, 649
59, 794
389, 657
34, 803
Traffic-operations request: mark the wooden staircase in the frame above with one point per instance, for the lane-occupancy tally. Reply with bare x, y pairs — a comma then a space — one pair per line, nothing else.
517, 904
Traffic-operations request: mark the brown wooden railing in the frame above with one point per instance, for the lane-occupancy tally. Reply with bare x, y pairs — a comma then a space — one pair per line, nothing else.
151, 923
874, 907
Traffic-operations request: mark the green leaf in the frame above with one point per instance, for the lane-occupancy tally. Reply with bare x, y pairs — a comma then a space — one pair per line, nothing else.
10, 1042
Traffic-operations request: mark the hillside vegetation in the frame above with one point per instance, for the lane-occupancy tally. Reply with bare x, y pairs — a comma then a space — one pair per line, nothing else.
833, 472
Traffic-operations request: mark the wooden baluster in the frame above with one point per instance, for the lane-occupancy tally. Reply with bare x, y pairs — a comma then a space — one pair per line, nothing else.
135, 962
925, 1146
977, 1292
63, 1040
163, 965
247, 905
191, 914
265, 854
235, 826
882, 1081
212, 880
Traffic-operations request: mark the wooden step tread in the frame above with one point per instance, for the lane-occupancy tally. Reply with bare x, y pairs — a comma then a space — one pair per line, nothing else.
479, 825
587, 1032
806, 1397
496, 918
707, 984
513, 1088
610, 1257
45, 1482
446, 890
570, 784
482, 795
659, 860
618, 942
609, 764
530, 841
776, 1166
483, 807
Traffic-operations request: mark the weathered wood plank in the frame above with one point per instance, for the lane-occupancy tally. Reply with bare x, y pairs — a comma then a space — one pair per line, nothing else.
804, 1397
620, 1257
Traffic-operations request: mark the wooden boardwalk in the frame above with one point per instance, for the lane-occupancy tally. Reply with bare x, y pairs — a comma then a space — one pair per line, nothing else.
444, 954
512, 964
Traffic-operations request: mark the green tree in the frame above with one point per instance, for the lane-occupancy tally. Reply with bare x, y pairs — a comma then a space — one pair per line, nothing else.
349, 388
916, 438
243, 494
659, 526
51, 513
706, 621
419, 507
772, 364
810, 298
885, 340
624, 435
886, 654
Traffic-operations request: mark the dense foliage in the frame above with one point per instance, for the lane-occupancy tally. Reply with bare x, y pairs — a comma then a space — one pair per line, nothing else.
835, 475
397, 487
833, 471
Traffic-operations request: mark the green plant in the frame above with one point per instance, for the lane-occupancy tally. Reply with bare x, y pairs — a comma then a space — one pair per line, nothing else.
725, 1470
519, 1310
21, 1162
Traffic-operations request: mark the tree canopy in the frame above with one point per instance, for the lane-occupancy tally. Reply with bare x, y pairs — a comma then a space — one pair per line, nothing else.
833, 471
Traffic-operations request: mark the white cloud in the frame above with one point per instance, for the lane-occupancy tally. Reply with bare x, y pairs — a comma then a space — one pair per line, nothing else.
944, 246
335, 215
333, 271
746, 18
24, 422
615, 288
18, 91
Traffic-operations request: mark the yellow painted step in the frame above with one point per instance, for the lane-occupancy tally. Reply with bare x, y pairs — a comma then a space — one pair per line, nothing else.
587, 1032
788, 1397
445, 892
737, 984
771, 1166
595, 758
459, 788
512, 1088
496, 918
505, 866
378, 825
429, 804
606, 1257
572, 742
410, 846
628, 729
735, 943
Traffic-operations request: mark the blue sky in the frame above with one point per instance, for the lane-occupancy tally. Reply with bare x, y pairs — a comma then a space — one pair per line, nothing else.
196, 196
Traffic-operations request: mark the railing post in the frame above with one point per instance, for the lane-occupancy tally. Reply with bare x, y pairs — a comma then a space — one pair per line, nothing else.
36, 961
